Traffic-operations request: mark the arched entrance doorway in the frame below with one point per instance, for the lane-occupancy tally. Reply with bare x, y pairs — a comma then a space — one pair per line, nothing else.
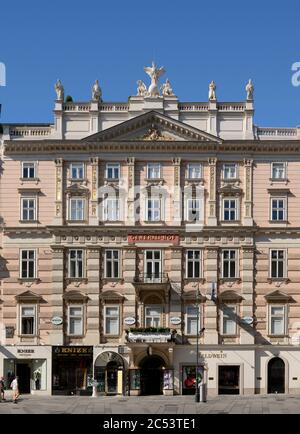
109, 373
152, 375
276, 375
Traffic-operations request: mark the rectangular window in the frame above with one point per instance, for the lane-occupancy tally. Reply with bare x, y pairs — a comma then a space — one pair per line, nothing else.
77, 207
277, 264
193, 258
28, 205
153, 171
28, 264
278, 209
112, 170
112, 266
194, 171
229, 263
278, 171
153, 210
28, 320
75, 320
229, 209
277, 320
191, 320
153, 316
111, 209
76, 264
229, 320
193, 210
152, 265
112, 322
229, 171
28, 171
77, 171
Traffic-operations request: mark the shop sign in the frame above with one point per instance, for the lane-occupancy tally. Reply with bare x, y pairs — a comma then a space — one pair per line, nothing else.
213, 355
175, 320
129, 320
247, 319
150, 238
25, 352
73, 351
57, 320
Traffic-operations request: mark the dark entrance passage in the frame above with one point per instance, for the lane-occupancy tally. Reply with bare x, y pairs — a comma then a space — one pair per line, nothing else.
152, 375
229, 380
276, 376
24, 373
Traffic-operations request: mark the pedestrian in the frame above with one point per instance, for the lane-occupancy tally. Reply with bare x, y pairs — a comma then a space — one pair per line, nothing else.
2, 389
15, 388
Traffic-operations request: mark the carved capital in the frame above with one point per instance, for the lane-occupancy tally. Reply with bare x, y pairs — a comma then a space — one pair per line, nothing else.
212, 161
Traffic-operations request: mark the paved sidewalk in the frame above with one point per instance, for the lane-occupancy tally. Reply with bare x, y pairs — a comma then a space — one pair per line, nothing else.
258, 404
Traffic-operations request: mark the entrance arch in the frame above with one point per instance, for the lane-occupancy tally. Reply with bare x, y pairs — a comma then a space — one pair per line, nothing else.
152, 375
109, 371
276, 375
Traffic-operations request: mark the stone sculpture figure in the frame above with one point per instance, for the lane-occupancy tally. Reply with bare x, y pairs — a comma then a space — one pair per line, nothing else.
249, 90
96, 92
154, 73
59, 91
141, 89
166, 88
212, 91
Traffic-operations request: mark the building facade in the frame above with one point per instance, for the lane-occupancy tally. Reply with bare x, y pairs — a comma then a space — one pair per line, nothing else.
130, 228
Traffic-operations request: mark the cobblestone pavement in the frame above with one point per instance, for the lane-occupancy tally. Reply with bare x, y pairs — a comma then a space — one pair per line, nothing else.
258, 404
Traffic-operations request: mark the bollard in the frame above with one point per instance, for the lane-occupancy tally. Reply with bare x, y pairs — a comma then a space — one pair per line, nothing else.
202, 391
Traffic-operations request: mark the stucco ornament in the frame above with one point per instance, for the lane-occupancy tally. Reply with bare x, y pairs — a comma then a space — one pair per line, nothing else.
154, 73
212, 91
141, 89
250, 90
59, 89
96, 92
166, 88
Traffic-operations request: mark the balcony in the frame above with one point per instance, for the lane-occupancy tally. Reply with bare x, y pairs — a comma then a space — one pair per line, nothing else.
149, 335
151, 278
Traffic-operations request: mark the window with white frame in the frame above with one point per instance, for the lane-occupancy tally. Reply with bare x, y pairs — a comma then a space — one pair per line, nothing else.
193, 210
77, 170
28, 170
191, 313
229, 264
75, 320
229, 320
229, 171
152, 265
28, 319
28, 264
278, 209
277, 319
278, 264
112, 171
153, 171
153, 316
194, 171
111, 209
278, 171
112, 320
230, 209
153, 211
112, 264
77, 209
28, 208
193, 264
76, 263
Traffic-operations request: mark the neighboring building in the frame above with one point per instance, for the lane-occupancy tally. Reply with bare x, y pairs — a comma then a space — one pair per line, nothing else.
121, 218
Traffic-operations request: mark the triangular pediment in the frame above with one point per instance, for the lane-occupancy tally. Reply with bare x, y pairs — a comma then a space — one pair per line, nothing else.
29, 296
152, 126
278, 296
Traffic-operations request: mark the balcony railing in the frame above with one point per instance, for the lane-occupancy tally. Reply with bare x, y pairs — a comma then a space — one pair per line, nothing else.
152, 278
149, 335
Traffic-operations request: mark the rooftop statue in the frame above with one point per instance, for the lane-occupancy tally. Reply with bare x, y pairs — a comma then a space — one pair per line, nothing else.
249, 90
59, 89
141, 89
154, 72
96, 92
212, 91
166, 88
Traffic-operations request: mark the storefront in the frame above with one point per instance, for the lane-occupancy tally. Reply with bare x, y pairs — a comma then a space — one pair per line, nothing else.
72, 370
110, 373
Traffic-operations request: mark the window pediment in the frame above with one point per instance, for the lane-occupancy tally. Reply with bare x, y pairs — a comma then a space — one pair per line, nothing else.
191, 296
29, 296
279, 297
77, 190
72, 296
111, 296
230, 190
230, 296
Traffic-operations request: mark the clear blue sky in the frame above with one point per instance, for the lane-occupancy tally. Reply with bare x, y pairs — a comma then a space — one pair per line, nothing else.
112, 40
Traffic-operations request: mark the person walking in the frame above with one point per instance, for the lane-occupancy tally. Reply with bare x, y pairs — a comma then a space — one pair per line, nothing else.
2, 386
15, 388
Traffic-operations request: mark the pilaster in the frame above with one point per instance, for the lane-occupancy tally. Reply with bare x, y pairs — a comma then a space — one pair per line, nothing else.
56, 335
177, 192
130, 220
212, 117
59, 194
211, 311
92, 309
248, 204
212, 213
94, 219
247, 331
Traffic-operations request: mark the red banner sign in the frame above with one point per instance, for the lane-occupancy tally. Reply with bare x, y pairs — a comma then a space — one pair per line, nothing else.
142, 238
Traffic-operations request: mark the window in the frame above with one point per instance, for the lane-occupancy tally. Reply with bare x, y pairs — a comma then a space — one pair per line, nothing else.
277, 320
278, 209
229, 209
75, 320
28, 320
77, 209
153, 170
76, 264
153, 210
193, 210
153, 316
111, 209
28, 171
112, 170
112, 264
28, 264
194, 171
193, 267
191, 320
77, 171
28, 205
229, 171
229, 263
153, 265
112, 323
278, 171
229, 322
278, 264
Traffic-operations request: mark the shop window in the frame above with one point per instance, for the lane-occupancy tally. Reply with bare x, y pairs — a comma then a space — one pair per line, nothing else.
189, 379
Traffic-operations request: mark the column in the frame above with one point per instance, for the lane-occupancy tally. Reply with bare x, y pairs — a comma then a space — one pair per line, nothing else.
177, 197
56, 335
59, 196
130, 220
211, 312
92, 311
94, 219
247, 331
212, 214
248, 204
